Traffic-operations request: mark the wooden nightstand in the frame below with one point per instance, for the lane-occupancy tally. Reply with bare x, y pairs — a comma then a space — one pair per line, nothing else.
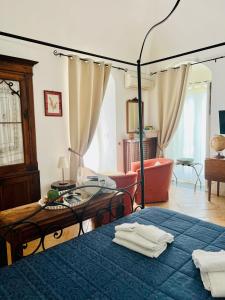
214, 171
57, 185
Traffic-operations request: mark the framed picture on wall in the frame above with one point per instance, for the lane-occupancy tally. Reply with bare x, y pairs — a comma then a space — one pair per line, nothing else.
53, 103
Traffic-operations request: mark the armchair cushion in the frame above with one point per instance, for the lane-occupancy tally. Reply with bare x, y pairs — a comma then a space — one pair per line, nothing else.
123, 181
157, 179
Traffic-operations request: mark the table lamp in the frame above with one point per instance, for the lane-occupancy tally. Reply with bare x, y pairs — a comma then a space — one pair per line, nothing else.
62, 164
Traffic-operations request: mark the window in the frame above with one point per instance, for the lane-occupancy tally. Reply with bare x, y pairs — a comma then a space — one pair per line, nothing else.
11, 135
189, 140
101, 155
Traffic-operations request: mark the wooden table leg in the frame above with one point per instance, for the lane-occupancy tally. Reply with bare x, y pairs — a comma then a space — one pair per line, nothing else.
218, 188
209, 190
3, 253
16, 251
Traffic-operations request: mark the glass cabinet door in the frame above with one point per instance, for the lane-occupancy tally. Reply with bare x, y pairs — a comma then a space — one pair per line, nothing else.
11, 129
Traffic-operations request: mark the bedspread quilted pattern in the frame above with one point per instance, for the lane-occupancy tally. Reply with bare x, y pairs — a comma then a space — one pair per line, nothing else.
92, 267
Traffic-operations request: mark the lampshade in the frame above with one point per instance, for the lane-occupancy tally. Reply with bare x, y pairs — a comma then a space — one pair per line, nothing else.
62, 163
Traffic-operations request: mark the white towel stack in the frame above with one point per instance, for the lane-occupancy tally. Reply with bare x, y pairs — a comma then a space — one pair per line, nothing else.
212, 268
148, 240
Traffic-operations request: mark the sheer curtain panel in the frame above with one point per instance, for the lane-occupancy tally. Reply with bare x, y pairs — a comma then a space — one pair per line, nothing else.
104, 143
171, 89
190, 139
87, 85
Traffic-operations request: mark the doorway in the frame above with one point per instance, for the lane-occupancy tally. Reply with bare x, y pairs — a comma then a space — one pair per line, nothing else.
191, 139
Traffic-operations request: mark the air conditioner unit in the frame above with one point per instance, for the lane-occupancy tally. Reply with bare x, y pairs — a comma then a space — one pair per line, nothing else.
131, 81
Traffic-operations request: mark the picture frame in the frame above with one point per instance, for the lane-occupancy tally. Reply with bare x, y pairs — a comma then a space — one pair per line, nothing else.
53, 103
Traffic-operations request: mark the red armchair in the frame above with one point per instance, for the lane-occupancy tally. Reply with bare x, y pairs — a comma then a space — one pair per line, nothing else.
122, 181
158, 174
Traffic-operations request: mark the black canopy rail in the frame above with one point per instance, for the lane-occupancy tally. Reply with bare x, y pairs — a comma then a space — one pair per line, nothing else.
184, 54
56, 53
156, 25
192, 64
35, 41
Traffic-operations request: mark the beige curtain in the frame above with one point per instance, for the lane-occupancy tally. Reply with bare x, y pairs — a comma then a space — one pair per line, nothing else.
171, 88
87, 85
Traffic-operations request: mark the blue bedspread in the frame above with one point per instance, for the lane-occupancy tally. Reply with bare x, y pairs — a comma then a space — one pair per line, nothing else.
92, 267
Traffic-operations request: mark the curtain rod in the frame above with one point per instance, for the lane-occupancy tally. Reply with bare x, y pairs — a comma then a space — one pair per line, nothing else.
183, 54
196, 63
106, 57
22, 38
85, 59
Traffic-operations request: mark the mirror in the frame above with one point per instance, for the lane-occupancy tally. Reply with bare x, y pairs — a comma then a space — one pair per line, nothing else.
132, 115
11, 132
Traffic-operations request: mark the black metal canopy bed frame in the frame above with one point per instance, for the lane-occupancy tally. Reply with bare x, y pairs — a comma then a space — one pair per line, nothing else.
117, 272
138, 65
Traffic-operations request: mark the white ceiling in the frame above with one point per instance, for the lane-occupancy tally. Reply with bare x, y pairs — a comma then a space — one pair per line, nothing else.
116, 28
195, 24
113, 28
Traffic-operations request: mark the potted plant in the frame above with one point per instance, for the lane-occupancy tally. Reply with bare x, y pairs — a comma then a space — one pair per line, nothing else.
150, 131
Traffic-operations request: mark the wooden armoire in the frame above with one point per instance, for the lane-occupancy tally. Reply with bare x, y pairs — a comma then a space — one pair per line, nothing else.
19, 174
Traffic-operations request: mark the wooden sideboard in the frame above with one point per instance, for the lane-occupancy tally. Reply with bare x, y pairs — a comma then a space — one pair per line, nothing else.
214, 171
131, 151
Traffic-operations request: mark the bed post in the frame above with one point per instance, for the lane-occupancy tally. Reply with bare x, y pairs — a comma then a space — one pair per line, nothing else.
140, 112
140, 102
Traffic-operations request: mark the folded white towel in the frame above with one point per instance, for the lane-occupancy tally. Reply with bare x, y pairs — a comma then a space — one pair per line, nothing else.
138, 240
217, 283
126, 227
134, 247
209, 261
205, 280
149, 232
154, 234
212, 280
